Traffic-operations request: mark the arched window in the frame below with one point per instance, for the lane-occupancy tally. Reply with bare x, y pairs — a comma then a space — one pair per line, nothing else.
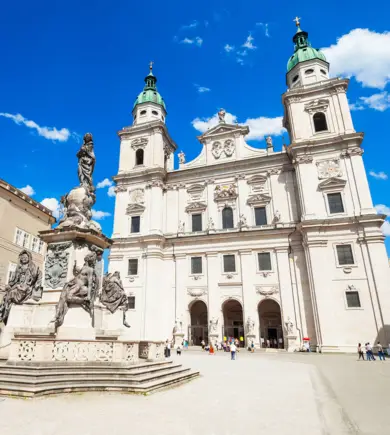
227, 218
154, 113
319, 120
143, 112
139, 157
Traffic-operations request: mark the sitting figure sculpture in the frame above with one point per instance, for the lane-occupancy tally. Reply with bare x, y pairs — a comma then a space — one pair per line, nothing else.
24, 284
81, 290
113, 295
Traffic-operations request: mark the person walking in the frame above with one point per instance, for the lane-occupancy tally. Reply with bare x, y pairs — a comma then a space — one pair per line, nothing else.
178, 350
360, 352
369, 354
252, 347
233, 350
168, 349
203, 344
381, 354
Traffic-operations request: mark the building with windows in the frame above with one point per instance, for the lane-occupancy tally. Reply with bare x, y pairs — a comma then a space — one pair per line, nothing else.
21, 219
248, 242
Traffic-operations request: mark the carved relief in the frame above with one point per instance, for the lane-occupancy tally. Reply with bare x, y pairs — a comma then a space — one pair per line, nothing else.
120, 189
223, 192
195, 192
137, 196
140, 142
196, 292
56, 266
104, 352
267, 290
26, 351
261, 198
257, 183
307, 158
130, 355
357, 151
228, 148
135, 209
196, 206
318, 105
329, 168
60, 351
216, 149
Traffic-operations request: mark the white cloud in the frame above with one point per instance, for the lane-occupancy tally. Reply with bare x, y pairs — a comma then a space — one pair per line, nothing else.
53, 205
249, 43
259, 127
355, 106
197, 41
240, 60
228, 48
382, 209
386, 228
50, 133
362, 54
379, 175
192, 25
380, 102
28, 190
265, 28
111, 191
201, 89
105, 183
99, 215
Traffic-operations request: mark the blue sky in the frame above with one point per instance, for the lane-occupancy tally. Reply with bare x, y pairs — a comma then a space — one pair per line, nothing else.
72, 67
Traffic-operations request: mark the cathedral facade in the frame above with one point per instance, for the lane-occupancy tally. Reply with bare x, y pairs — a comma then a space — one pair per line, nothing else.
273, 248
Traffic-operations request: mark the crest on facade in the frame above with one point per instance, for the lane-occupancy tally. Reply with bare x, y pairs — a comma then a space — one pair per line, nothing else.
226, 148
196, 292
329, 169
333, 182
195, 192
140, 142
56, 265
137, 196
225, 191
267, 290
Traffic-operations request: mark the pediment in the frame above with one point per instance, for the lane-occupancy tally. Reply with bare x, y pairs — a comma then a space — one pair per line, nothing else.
330, 183
261, 198
135, 209
196, 206
223, 129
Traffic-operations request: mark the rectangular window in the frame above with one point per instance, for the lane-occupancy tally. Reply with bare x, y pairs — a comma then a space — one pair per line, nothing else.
353, 299
35, 244
196, 222
260, 216
19, 237
335, 203
11, 271
229, 263
26, 240
131, 301
264, 261
344, 255
135, 224
133, 266
41, 245
196, 265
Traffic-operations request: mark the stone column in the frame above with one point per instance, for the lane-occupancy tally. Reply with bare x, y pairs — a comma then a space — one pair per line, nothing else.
213, 294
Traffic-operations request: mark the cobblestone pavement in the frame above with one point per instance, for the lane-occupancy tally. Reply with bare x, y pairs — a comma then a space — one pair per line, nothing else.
258, 393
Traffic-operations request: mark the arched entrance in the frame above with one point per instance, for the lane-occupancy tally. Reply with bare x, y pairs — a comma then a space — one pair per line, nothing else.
233, 323
271, 329
198, 329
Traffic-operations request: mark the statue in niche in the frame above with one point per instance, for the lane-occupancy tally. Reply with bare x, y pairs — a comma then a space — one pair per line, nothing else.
213, 325
81, 290
113, 295
24, 284
182, 157
289, 326
250, 326
87, 161
221, 116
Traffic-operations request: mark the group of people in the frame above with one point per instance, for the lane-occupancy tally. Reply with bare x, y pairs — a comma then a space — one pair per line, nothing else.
369, 352
231, 345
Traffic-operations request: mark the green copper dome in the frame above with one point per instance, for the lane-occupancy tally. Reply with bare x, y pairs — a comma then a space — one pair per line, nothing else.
150, 94
303, 50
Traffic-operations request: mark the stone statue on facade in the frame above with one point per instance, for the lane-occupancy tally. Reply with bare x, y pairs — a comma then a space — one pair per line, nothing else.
77, 204
182, 157
81, 290
221, 116
25, 283
289, 326
277, 216
178, 328
180, 229
213, 325
268, 140
113, 295
211, 225
242, 223
250, 326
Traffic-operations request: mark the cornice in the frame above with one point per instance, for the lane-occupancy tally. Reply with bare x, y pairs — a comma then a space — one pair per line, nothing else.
143, 176
338, 85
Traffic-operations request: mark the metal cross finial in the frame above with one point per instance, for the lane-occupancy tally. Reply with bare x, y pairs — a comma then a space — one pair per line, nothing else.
151, 65
297, 21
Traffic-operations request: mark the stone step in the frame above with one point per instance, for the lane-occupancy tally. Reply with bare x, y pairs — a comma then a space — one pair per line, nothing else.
15, 379
84, 370
91, 385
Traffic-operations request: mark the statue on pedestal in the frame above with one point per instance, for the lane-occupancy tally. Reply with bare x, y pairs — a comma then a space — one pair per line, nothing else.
178, 328
77, 204
289, 326
81, 290
250, 326
213, 325
24, 284
113, 295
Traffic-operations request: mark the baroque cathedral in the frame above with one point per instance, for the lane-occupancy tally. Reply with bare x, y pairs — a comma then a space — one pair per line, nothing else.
274, 248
